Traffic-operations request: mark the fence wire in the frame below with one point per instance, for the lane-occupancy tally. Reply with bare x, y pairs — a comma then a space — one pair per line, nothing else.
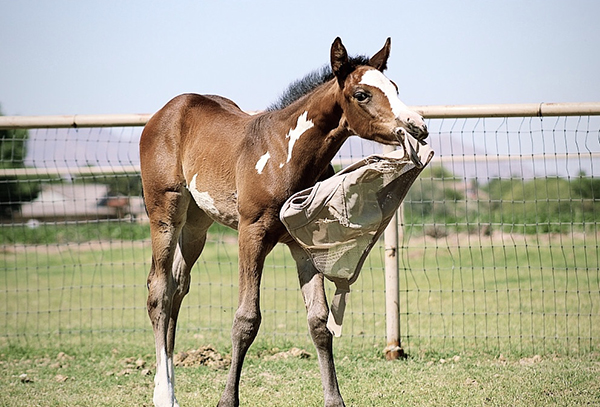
499, 245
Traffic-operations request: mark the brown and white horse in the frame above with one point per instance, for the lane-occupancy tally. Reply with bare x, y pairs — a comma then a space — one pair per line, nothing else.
204, 160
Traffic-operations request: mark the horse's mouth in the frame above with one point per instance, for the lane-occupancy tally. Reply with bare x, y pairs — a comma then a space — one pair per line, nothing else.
411, 145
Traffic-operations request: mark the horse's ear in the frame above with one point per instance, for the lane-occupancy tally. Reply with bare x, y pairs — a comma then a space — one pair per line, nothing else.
379, 60
340, 64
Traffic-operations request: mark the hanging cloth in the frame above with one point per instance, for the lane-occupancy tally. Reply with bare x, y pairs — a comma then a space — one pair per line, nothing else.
338, 220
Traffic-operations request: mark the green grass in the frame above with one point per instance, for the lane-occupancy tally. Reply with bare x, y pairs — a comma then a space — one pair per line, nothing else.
107, 376
81, 232
471, 296
521, 293
511, 294
76, 232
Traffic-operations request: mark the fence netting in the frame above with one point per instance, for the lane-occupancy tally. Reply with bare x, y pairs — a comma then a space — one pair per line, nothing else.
498, 245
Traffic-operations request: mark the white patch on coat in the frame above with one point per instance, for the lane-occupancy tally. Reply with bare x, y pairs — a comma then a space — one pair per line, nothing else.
376, 79
164, 391
262, 161
302, 125
203, 199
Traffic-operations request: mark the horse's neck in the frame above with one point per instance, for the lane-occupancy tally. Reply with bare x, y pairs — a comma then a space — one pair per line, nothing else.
316, 130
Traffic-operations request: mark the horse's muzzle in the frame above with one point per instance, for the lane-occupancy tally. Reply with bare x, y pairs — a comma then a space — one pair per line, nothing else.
418, 130
410, 142
420, 133
414, 125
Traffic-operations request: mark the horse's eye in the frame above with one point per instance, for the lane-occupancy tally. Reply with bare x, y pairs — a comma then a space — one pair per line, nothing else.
361, 96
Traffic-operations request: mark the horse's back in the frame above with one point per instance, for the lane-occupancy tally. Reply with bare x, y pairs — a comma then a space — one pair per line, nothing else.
188, 121
191, 110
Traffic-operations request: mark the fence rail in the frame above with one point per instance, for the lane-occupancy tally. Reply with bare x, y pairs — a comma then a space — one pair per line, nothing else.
429, 112
498, 249
73, 121
509, 110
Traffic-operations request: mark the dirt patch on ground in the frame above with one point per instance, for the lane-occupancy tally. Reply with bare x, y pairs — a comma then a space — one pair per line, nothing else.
209, 356
203, 356
294, 353
130, 366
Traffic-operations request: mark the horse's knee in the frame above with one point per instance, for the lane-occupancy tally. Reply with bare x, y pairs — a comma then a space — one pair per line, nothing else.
250, 319
317, 325
246, 324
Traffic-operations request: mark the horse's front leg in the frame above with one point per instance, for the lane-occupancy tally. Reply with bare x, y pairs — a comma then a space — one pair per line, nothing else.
313, 291
252, 252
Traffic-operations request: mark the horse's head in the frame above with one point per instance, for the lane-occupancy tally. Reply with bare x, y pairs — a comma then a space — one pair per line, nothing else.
370, 100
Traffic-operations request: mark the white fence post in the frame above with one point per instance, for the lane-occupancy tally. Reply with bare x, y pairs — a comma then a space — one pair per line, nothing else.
392, 286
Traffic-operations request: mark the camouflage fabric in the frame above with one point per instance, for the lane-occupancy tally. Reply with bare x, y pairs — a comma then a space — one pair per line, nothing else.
338, 220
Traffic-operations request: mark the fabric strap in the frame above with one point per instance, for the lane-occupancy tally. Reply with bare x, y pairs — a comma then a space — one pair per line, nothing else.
338, 306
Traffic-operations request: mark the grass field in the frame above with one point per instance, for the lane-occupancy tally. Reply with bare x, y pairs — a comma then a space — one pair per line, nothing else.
123, 375
520, 294
486, 320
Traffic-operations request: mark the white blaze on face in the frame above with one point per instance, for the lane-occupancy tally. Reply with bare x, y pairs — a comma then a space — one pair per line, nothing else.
203, 199
260, 164
302, 125
376, 79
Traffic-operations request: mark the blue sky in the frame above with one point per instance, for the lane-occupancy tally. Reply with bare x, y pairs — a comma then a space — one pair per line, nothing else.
89, 57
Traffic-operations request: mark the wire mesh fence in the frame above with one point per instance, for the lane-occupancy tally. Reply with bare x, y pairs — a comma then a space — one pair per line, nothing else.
498, 248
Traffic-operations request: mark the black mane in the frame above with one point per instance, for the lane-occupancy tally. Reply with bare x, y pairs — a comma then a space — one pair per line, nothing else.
310, 82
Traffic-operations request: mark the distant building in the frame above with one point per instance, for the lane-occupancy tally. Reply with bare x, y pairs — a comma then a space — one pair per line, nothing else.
78, 202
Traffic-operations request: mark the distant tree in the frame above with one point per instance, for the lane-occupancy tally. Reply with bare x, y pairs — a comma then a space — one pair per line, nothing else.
586, 187
428, 195
549, 204
14, 191
437, 198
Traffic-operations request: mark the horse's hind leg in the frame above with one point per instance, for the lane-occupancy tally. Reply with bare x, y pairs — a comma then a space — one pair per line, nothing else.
313, 291
167, 213
175, 248
190, 245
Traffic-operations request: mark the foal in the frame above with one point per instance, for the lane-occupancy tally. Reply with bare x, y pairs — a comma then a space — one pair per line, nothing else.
203, 160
